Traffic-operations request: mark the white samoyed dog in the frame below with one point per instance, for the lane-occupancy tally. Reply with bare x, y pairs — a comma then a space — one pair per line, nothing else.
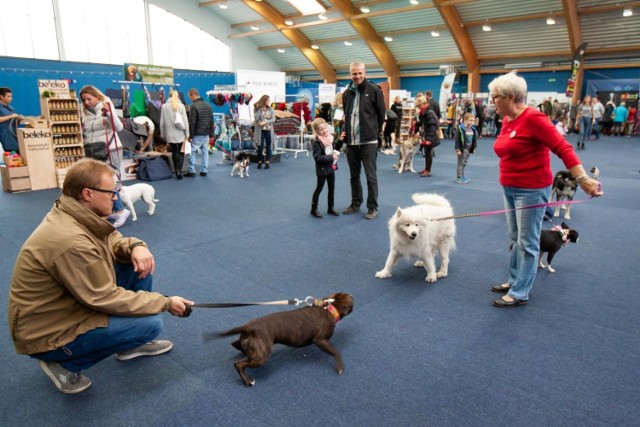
416, 232
132, 193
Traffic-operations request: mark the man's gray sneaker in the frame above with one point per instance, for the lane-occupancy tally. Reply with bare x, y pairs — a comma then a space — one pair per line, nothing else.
371, 214
66, 381
152, 348
350, 210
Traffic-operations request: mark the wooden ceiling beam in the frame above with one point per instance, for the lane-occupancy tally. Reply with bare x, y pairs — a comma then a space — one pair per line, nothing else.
377, 45
299, 40
462, 39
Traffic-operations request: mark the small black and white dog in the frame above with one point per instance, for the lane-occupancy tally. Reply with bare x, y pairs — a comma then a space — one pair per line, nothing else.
564, 188
552, 240
241, 165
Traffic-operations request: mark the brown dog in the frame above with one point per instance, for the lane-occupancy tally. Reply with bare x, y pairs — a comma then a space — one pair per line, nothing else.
297, 328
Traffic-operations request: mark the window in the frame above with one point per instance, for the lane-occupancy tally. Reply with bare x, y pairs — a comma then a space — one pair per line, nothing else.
104, 31
27, 29
180, 44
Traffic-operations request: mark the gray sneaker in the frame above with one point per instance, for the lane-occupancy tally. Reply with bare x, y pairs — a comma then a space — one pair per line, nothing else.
371, 214
66, 381
152, 348
350, 210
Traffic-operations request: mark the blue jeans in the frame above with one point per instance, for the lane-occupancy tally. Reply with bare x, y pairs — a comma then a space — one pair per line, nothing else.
596, 128
585, 128
122, 333
524, 228
357, 157
199, 142
117, 204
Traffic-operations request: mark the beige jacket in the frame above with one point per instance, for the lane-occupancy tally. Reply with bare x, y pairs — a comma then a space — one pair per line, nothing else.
63, 281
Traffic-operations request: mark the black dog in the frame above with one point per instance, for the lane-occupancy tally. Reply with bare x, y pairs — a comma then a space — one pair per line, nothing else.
552, 240
564, 188
297, 328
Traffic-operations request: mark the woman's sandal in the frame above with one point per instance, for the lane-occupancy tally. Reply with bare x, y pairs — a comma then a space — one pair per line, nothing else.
502, 303
501, 288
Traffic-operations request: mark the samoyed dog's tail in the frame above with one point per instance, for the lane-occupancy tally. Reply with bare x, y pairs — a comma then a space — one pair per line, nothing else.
430, 199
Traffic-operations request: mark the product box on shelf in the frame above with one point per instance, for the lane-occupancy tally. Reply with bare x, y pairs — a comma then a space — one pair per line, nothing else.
35, 122
12, 161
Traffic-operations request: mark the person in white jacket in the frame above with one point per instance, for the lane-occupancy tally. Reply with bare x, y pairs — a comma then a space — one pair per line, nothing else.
175, 130
100, 125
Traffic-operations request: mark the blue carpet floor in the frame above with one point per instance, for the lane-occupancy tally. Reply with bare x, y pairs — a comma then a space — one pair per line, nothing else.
415, 353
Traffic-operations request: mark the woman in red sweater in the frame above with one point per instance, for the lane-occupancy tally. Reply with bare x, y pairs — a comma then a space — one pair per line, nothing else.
523, 146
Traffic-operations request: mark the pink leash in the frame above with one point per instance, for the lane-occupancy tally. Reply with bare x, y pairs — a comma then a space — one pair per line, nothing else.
537, 205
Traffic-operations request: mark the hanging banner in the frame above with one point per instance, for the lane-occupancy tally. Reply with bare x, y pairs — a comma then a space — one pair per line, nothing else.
445, 90
54, 89
148, 73
578, 58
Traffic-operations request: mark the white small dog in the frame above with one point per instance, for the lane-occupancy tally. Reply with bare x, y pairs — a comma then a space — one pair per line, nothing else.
132, 193
416, 232
241, 165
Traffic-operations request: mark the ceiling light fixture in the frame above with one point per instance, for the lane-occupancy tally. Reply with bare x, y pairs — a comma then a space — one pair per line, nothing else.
414, 2
365, 9
254, 28
551, 21
315, 46
434, 33
486, 27
307, 7
347, 43
288, 22
388, 38
627, 12
281, 50
322, 17
223, 6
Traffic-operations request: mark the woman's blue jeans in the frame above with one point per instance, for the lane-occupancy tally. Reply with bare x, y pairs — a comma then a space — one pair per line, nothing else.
524, 228
585, 128
122, 333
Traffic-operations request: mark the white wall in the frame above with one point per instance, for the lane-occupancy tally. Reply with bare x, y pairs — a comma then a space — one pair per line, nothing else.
244, 54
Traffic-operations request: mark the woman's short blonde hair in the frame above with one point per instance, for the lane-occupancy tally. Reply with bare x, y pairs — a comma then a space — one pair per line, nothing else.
509, 84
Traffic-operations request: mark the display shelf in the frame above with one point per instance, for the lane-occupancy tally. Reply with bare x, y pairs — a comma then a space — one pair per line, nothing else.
405, 123
63, 116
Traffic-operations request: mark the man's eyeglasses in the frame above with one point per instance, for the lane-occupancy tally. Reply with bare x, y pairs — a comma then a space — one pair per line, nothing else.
112, 192
494, 96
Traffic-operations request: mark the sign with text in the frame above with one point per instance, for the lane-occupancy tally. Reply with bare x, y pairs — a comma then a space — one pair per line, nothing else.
327, 92
259, 83
54, 88
148, 73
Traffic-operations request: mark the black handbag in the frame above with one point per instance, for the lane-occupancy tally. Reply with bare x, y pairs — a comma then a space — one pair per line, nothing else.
153, 169
96, 150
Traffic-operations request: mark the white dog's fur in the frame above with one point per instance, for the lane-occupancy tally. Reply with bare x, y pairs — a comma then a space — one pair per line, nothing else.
412, 234
242, 167
132, 193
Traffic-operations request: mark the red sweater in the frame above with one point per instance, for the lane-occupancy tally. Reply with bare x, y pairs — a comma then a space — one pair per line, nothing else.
523, 147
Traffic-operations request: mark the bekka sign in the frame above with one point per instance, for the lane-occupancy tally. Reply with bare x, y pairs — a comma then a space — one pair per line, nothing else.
56, 88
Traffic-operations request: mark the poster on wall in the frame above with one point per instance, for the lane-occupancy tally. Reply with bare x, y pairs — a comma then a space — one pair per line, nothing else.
445, 90
259, 83
326, 92
148, 73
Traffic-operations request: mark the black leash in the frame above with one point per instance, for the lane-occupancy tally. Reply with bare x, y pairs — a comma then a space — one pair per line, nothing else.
308, 301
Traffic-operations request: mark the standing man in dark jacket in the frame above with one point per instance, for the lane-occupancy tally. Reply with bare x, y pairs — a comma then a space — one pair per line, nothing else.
200, 129
364, 114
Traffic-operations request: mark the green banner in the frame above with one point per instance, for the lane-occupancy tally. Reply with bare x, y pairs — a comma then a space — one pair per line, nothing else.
148, 73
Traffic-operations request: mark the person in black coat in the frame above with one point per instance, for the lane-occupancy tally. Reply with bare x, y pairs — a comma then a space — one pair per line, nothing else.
326, 158
429, 125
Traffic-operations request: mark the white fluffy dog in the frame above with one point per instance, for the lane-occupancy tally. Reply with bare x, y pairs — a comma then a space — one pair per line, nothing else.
132, 193
415, 232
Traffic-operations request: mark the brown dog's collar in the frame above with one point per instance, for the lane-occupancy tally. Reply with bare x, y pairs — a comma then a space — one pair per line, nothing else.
333, 311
